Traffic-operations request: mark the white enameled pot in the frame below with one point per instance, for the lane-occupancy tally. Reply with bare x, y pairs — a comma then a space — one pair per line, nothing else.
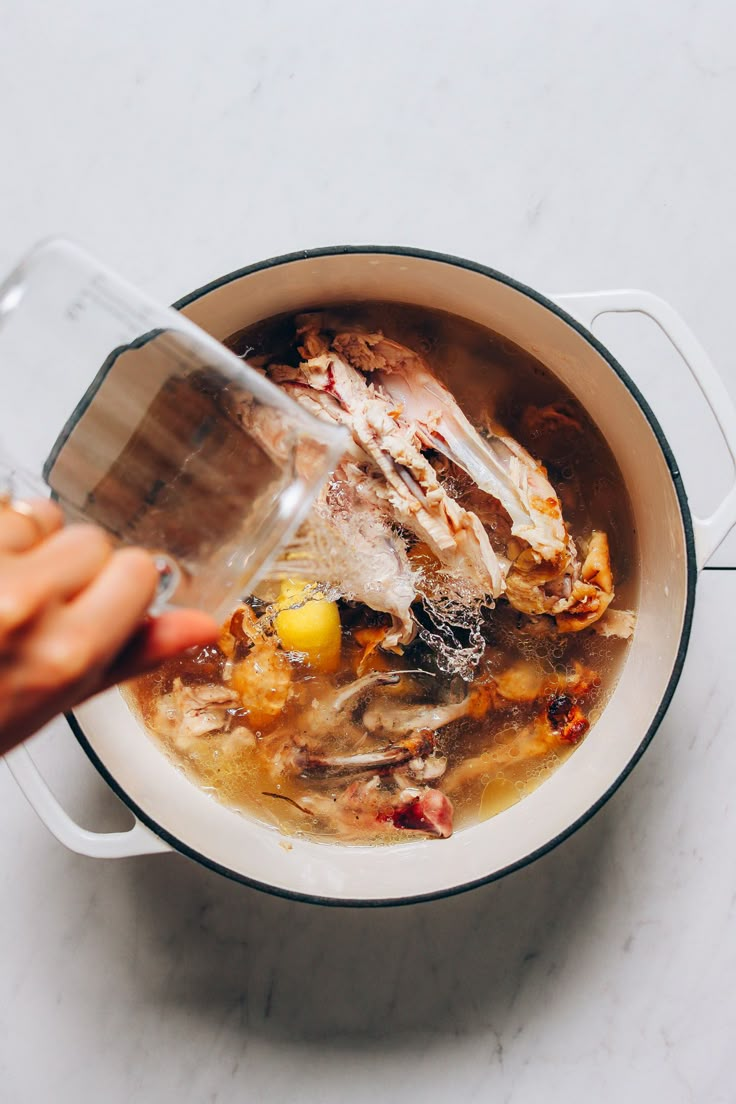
171, 813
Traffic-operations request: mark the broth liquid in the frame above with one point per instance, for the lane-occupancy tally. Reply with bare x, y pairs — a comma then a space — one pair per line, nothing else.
486, 373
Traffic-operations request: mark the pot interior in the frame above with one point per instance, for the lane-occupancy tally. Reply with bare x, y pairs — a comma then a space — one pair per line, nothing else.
246, 849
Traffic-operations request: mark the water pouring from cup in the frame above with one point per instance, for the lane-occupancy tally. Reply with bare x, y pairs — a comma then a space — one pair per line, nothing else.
134, 419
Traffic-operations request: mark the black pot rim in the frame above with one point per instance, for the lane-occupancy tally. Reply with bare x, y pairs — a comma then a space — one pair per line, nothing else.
494, 274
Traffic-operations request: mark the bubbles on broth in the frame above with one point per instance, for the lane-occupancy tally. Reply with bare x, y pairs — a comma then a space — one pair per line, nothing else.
452, 622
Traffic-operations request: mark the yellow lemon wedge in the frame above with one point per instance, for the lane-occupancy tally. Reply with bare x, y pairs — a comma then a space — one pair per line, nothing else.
312, 627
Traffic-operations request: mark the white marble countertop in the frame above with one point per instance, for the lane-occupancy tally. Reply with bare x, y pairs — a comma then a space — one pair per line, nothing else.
575, 146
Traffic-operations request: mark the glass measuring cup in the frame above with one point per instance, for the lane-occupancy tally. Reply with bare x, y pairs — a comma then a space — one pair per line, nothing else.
135, 419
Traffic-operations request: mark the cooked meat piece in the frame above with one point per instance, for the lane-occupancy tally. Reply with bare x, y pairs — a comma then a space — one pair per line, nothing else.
575, 601
311, 341
236, 739
320, 405
297, 747
593, 593
389, 719
189, 712
567, 719
421, 770
561, 722
423, 810
526, 682
258, 671
618, 623
375, 805
410, 485
497, 464
307, 761
530, 591
522, 682
405, 409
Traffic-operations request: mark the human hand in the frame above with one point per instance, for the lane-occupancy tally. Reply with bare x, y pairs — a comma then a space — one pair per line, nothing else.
73, 617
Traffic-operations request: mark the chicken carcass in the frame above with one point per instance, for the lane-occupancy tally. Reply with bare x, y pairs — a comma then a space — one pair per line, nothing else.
397, 411
546, 576
189, 713
410, 486
497, 464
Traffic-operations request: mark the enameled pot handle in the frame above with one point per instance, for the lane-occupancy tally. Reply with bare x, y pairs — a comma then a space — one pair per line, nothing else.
138, 840
587, 306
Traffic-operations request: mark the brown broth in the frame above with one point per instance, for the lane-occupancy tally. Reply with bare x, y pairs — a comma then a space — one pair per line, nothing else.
485, 372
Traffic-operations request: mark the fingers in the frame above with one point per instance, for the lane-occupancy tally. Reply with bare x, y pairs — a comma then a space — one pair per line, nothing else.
73, 618
161, 638
69, 647
25, 524
110, 609
55, 571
